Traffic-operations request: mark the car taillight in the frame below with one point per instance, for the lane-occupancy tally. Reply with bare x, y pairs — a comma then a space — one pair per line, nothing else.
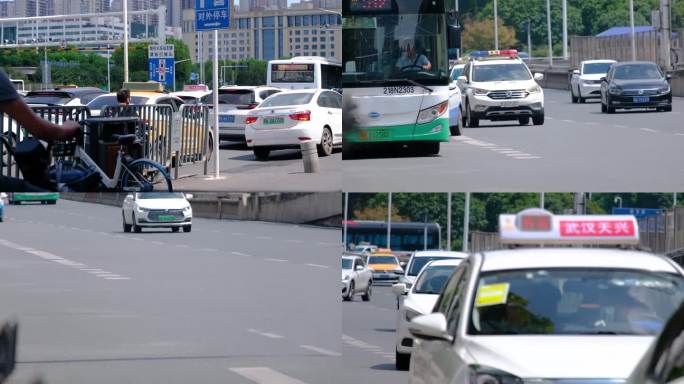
250, 119
301, 116
249, 106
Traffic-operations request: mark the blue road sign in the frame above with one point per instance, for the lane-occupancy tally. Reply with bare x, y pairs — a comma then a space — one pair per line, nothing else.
637, 212
212, 14
193, 76
162, 70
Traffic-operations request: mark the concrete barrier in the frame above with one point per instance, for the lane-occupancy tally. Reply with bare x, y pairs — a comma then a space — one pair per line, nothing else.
319, 208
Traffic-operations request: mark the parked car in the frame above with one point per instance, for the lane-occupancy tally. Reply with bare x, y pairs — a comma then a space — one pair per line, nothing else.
68, 97
286, 119
357, 278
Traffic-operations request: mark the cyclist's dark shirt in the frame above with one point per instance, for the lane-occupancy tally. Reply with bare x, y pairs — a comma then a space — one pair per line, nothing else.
7, 90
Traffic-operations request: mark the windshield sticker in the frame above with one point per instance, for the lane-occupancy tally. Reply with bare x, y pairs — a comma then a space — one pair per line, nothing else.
492, 294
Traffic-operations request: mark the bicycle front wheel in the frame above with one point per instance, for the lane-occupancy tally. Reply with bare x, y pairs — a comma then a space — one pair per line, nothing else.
145, 175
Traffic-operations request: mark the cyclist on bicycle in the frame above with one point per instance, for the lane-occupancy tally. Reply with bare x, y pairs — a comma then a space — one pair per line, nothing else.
15, 107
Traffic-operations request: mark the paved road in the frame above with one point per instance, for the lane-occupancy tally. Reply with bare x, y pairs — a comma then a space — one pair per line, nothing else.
241, 171
578, 148
368, 339
230, 302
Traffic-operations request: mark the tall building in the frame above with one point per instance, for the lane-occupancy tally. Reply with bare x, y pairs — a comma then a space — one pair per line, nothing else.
27, 8
7, 9
269, 34
174, 16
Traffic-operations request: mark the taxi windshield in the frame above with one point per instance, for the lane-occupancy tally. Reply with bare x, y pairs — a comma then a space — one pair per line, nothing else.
346, 264
382, 260
500, 72
574, 302
433, 278
419, 262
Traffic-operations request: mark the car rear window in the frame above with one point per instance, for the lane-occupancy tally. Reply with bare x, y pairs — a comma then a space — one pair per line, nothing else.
49, 98
284, 99
236, 96
104, 101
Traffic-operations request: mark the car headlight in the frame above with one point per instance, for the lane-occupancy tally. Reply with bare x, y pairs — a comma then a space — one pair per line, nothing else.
480, 91
429, 114
534, 89
664, 90
141, 209
615, 90
480, 374
410, 314
187, 209
345, 278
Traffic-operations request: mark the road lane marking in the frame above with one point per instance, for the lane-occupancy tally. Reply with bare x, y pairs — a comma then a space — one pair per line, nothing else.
101, 273
679, 134
568, 121
265, 334
294, 241
182, 246
240, 254
263, 237
157, 242
322, 351
209, 249
619, 126
265, 375
238, 234
649, 130
137, 239
276, 260
526, 157
317, 265
509, 152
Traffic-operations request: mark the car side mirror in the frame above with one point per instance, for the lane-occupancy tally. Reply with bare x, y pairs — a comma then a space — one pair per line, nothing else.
399, 289
430, 327
129, 197
538, 76
462, 80
453, 85
576, 72
189, 196
603, 79
668, 76
8, 348
402, 264
358, 268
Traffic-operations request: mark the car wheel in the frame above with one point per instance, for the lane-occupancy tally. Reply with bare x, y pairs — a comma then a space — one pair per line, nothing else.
367, 295
581, 99
524, 120
136, 227
572, 96
187, 228
402, 360
350, 292
667, 108
210, 147
325, 148
174, 229
538, 120
456, 129
126, 227
429, 148
52, 202
261, 153
471, 121
603, 107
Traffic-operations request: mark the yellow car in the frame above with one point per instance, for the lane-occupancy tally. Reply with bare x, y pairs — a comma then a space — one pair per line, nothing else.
385, 266
151, 93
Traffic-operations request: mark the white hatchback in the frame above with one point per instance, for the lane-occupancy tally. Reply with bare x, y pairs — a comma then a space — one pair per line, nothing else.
157, 210
286, 119
419, 301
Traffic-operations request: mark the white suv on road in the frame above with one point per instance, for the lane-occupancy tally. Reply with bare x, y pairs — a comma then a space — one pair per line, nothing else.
498, 86
586, 81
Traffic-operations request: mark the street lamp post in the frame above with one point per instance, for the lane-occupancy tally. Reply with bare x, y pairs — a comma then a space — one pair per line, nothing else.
618, 200
632, 29
496, 26
565, 29
548, 29
174, 72
125, 21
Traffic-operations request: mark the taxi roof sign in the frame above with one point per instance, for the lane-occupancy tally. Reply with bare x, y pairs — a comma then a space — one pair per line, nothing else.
195, 87
537, 226
147, 86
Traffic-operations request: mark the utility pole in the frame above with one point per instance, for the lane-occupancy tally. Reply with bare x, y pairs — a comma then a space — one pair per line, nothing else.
449, 221
529, 41
344, 223
109, 81
632, 29
541, 200
425, 220
565, 29
579, 203
496, 26
466, 221
389, 218
666, 34
548, 29
125, 44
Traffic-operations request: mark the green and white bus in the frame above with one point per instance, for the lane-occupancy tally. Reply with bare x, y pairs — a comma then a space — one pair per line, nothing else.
395, 72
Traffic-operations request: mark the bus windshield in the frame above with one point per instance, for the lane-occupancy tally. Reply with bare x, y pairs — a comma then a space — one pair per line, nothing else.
386, 49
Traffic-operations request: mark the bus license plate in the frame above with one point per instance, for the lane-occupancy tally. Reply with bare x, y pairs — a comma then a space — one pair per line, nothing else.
274, 120
642, 99
167, 218
376, 134
399, 90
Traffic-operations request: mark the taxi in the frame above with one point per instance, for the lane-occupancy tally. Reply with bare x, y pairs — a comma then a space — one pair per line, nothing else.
385, 266
567, 310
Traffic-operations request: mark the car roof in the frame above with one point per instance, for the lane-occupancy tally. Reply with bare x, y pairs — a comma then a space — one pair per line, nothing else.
529, 258
599, 61
440, 254
197, 94
74, 92
441, 263
302, 91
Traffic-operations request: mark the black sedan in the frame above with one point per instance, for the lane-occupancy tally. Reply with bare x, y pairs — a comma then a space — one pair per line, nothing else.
635, 84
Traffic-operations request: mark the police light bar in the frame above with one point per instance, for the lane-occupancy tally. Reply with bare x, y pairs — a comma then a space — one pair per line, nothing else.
537, 226
503, 52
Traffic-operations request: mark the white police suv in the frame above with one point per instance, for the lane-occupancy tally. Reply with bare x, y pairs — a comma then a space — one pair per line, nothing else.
498, 86
580, 313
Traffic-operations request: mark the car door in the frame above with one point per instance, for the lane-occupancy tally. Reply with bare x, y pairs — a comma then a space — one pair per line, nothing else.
437, 359
464, 88
362, 275
336, 108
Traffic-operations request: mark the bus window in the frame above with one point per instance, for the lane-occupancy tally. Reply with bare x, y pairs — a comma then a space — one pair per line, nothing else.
331, 76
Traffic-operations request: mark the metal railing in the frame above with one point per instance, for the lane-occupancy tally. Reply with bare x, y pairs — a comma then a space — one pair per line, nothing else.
194, 136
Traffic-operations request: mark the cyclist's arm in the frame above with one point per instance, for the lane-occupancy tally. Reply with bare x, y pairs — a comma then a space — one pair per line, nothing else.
42, 129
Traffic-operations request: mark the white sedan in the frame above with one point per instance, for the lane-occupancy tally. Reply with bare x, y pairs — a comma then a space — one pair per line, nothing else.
157, 210
548, 314
585, 82
419, 301
357, 278
286, 119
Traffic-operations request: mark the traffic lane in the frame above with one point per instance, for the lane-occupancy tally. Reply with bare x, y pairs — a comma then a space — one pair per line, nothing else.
575, 148
129, 255
149, 324
303, 243
368, 331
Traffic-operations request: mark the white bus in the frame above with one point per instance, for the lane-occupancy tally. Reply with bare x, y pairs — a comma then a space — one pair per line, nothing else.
305, 72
